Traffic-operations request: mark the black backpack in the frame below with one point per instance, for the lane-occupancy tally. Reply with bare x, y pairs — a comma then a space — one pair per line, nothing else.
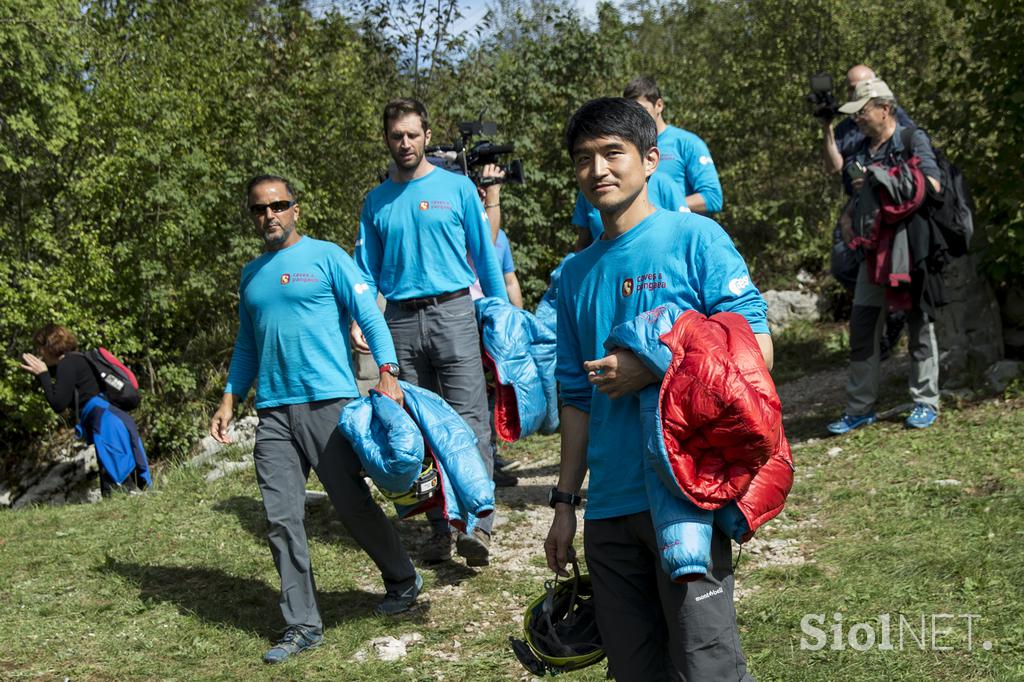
951, 209
117, 382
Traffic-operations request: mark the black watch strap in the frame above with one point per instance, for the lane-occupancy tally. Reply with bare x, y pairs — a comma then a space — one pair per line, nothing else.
556, 496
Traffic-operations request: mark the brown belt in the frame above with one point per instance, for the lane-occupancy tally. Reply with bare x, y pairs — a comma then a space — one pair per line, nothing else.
427, 301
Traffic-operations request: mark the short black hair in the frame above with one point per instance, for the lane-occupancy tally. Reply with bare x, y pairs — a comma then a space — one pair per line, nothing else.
260, 179
642, 86
612, 117
397, 108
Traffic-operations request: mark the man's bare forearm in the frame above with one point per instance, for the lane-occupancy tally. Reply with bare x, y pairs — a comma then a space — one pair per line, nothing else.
573, 465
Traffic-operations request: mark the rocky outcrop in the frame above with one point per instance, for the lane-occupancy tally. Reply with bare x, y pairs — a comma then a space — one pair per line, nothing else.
969, 330
784, 307
68, 479
243, 436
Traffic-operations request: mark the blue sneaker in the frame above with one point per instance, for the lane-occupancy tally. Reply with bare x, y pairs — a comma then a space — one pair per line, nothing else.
294, 640
395, 603
921, 417
848, 423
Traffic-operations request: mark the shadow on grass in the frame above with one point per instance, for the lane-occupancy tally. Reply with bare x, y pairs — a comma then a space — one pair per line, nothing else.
321, 520
243, 603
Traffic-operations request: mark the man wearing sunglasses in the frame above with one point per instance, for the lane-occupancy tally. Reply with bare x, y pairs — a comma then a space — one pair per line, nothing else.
414, 233
295, 301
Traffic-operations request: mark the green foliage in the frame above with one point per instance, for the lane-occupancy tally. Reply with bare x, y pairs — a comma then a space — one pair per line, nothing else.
128, 128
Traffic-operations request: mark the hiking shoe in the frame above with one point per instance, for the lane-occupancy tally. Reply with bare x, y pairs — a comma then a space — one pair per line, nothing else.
295, 639
438, 548
475, 548
848, 423
503, 479
395, 603
921, 417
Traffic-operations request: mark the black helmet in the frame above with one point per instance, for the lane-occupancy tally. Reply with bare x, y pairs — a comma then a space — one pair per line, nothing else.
560, 628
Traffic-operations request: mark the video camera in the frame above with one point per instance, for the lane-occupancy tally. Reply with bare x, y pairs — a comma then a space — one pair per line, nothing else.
470, 160
823, 103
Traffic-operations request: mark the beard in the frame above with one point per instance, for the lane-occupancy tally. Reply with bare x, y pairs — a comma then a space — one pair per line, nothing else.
408, 162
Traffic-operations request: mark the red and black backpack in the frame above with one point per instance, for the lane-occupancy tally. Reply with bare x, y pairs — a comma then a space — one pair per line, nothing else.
117, 382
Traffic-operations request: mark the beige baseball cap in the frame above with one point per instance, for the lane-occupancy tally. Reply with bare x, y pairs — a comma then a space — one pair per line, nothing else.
865, 92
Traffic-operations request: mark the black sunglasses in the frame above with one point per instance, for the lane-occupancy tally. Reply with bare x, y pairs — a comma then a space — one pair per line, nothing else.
275, 206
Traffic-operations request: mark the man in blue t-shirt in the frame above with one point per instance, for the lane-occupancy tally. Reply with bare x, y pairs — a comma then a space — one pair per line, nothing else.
652, 628
415, 231
684, 156
295, 303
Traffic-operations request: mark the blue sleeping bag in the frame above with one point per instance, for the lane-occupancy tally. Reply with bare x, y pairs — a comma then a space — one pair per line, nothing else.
393, 444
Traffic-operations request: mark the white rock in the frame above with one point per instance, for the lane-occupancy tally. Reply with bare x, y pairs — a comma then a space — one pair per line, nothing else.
835, 452
388, 648
947, 482
786, 306
224, 468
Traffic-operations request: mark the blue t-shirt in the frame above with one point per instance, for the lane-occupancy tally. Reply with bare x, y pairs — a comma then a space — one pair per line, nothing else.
662, 191
503, 249
686, 159
682, 258
414, 237
849, 137
294, 310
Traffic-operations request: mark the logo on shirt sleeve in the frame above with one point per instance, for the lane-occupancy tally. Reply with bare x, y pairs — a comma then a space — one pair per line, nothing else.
627, 286
286, 278
736, 286
705, 160
361, 287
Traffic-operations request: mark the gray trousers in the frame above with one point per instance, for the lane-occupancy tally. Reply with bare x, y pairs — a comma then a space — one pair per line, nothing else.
289, 440
866, 324
652, 628
438, 348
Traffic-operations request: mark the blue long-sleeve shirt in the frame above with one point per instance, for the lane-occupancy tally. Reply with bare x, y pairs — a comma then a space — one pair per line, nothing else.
661, 189
686, 159
294, 310
682, 258
414, 237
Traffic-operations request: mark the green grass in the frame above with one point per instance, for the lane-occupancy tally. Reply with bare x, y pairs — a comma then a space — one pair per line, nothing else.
178, 584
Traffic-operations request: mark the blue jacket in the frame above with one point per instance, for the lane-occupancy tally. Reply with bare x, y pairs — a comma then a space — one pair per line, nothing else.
116, 438
393, 443
520, 351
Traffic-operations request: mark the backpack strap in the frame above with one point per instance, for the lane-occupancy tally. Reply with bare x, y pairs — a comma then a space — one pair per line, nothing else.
907, 137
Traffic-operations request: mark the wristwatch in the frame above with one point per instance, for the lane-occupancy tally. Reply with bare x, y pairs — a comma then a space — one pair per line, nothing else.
391, 368
556, 496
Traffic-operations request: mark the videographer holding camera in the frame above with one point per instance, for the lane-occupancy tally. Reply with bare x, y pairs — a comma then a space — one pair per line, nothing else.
415, 230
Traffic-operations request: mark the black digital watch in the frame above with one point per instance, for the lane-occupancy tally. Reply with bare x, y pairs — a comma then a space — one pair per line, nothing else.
556, 496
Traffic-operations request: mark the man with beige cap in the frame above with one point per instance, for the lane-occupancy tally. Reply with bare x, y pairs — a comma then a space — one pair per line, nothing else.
872, 106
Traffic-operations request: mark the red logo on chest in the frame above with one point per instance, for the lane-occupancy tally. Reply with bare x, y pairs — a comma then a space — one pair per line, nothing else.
627, 286
285, 279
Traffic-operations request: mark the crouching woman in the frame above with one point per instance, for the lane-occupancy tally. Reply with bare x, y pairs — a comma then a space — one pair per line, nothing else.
68, 379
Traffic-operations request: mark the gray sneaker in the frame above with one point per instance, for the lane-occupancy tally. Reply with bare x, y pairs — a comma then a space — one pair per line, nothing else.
295, 639
475, 548
438, 548
395, 603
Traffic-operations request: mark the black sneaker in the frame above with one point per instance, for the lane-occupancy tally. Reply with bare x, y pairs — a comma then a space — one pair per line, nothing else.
502, 479
438, 548
475, 548
295, 640
395, 603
